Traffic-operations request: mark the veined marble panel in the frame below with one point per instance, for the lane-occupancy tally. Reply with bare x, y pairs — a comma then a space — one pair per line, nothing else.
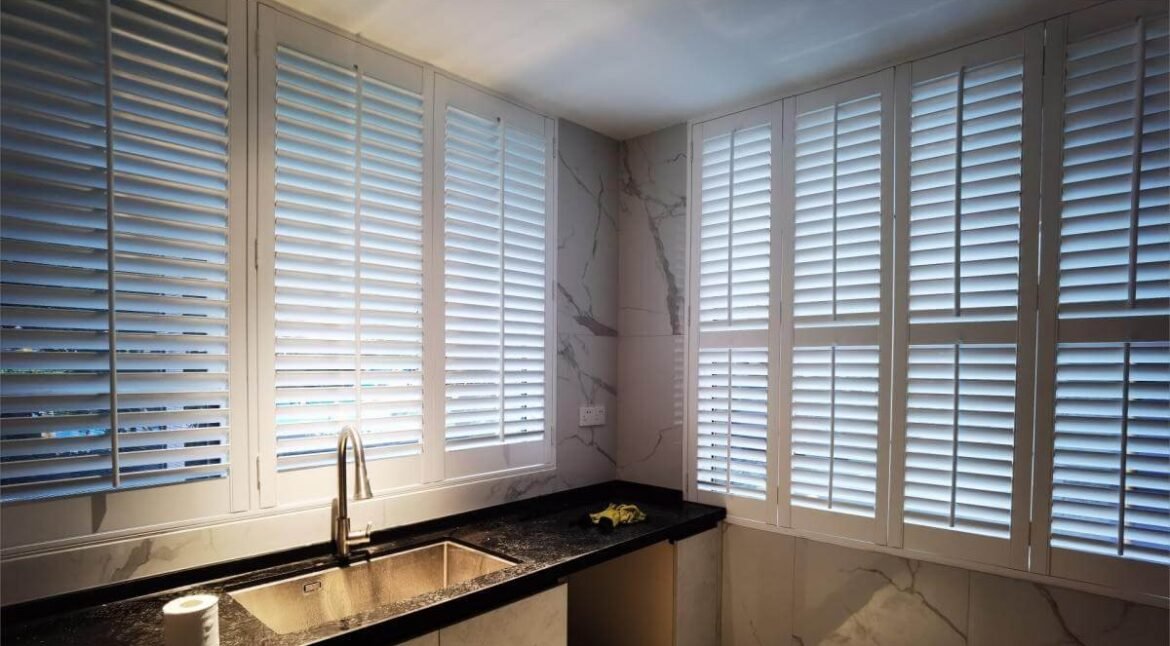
650, 410
587, 248
652, 227
1009, 612
845, 596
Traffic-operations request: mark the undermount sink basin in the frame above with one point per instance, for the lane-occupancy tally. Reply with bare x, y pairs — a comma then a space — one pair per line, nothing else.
310, 600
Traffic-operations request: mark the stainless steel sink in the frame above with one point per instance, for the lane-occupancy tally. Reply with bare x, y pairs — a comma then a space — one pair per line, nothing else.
310, 600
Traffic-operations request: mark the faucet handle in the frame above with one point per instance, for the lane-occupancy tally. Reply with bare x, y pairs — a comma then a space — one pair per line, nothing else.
361, 537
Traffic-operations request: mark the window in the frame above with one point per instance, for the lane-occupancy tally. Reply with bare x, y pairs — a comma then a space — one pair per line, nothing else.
121, 251
496, 239
971, 235
920, 348
733, 243
1104, 413
835, 350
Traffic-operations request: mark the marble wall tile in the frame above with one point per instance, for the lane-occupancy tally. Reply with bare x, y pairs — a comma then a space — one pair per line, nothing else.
1009, 612
651, 307
652, 228
845, 596
586, 375
650, 410
757, 587
587, 247
587, 301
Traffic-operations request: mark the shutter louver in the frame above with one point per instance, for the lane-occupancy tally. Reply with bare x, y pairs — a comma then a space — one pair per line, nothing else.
1111, 461
349, 169
835, 428
154, 269
965, 167
494, 268
733, 310
960, 429
837, 262
732, 421
1115, 227
736, 196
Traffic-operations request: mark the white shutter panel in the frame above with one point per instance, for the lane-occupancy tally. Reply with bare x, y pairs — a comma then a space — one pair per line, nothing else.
1111, 477
834, 317
733, 421
1108, 348
348, 261
835, 428
495, 269
1115, 231
733, 246
960, 423
965, 150
161, 163
968, 306
56, 362
837, 258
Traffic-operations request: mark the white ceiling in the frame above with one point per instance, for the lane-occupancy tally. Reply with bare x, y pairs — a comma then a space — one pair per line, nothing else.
628, 67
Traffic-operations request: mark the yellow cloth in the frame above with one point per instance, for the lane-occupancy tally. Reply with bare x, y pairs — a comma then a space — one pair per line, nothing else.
619, 515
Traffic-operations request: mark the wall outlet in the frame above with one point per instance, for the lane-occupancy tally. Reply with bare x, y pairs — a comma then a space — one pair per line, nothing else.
592, 416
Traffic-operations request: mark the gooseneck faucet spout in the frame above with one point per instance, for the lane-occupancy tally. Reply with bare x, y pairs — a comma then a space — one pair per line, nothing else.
343, 539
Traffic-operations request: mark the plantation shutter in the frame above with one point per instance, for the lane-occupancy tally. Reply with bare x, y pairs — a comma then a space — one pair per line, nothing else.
495, 240
734, 243
841, 222
115, 247
348, 260
1108, 407
973, 115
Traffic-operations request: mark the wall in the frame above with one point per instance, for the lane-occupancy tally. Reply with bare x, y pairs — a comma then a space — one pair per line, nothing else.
651, 307
779, 589
586, 373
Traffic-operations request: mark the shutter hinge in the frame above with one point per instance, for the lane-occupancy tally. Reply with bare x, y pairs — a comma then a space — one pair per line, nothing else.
256, 254
258, 478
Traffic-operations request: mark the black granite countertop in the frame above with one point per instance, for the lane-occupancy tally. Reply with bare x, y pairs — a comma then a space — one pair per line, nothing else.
541, 534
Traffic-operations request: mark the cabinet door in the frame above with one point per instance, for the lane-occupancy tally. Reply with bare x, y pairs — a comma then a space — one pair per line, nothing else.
539, 620
696, 592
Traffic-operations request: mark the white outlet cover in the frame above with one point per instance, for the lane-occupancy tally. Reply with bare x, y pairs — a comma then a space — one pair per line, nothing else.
592, 416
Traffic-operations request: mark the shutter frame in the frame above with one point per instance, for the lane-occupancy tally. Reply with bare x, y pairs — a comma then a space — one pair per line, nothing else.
1018, 328
515, 123
1064, 329
746, 338
859, 334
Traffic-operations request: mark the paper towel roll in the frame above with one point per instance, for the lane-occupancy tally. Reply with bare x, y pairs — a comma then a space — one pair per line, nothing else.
191, 621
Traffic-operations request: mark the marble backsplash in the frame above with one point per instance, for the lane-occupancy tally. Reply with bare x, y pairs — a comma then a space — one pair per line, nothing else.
780, 589
651, 307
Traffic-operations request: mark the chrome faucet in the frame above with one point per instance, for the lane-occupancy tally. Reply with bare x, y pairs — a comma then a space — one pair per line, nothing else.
343, 539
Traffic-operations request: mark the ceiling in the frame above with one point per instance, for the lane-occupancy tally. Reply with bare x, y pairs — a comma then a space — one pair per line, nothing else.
628, 67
